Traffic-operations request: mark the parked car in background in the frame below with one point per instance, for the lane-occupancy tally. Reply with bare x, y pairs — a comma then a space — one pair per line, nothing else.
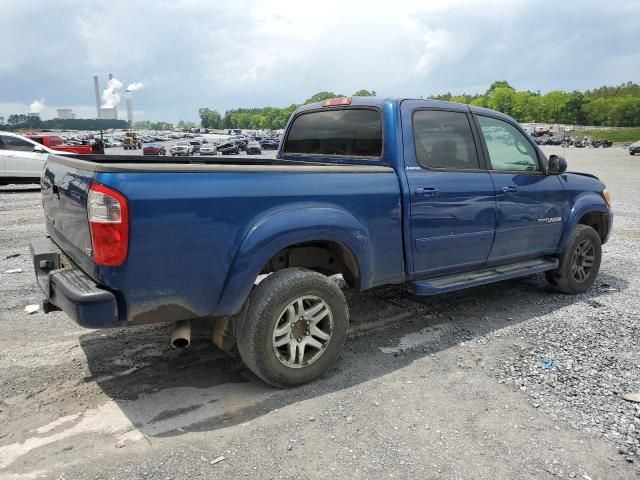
208, 149
153, 149
228, 148
634, 148
22, 159
269, 144
181, 148
54, 142
196, 145
253, 148
110, 143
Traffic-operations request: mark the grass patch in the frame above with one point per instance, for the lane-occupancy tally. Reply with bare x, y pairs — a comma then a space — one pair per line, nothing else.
624, 135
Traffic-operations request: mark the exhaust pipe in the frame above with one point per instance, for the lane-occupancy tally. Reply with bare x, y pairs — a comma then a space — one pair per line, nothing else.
181, 335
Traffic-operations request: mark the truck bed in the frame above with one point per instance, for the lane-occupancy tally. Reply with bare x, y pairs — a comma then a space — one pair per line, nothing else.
202, 229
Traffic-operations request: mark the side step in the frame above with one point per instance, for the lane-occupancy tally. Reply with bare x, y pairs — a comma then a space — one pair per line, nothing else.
458, 281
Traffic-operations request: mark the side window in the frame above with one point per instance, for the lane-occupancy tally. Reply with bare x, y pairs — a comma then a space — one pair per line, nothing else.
444, 140
508, 148
16, 144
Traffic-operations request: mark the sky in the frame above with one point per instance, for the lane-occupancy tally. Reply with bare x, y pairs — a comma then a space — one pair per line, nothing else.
189, 54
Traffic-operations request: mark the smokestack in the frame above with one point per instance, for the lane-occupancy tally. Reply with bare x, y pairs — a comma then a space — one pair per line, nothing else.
115, 109
127, 97
97, 88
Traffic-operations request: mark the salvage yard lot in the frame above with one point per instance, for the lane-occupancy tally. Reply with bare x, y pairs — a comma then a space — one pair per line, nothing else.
509, 380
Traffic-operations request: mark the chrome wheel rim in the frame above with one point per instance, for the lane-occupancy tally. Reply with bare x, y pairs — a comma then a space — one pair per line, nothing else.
303, 331
582, 260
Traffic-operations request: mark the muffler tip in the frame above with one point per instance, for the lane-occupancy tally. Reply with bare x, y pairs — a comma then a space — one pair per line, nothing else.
181, 335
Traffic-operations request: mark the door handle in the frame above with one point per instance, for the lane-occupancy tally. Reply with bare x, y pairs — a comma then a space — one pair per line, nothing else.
509, 189
427, 191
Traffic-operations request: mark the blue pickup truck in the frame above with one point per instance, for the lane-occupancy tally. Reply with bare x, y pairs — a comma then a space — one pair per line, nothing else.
435, 195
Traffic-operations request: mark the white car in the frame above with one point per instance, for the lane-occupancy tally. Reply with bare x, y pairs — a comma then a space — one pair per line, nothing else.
22, 159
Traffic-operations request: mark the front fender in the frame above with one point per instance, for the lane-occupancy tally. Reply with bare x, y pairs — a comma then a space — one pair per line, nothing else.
587, 202
284, 229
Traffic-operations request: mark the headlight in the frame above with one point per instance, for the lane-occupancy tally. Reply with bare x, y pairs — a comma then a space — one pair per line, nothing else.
607, 196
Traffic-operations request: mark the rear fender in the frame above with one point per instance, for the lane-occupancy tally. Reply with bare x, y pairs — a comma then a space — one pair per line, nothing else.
284, 229
588, 202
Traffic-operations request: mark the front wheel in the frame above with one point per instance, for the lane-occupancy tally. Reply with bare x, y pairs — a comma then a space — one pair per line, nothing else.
295, 326
579, 263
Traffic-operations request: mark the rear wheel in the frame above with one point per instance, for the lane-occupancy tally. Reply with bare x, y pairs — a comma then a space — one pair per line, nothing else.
579, 263
295, 327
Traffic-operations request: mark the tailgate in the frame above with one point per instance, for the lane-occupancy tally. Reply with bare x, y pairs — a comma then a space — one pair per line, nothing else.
64, 197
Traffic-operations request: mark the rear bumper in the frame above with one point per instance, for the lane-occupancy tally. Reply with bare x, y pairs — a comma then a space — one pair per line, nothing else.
71, 290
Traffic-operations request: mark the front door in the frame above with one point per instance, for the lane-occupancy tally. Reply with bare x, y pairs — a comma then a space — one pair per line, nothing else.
529, 222
20, 159
452, 199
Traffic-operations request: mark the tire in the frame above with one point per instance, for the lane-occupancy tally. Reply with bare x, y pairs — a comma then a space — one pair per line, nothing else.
274, 305
579, 263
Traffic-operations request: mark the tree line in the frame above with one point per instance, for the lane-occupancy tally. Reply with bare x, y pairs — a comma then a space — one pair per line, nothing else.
267, 118
29, 122
617, 106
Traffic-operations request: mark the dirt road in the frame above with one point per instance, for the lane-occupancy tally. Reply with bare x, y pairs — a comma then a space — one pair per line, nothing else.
504, 381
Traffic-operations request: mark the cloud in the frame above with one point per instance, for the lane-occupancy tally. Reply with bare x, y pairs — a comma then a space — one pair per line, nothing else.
135, 86
195, 53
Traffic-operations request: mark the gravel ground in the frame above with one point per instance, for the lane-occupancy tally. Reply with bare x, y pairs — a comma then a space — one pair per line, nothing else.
502, 381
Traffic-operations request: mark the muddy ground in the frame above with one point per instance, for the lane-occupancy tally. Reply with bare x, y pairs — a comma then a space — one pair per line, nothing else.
447, 387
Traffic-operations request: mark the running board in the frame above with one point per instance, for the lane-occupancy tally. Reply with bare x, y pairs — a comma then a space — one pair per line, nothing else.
458, 281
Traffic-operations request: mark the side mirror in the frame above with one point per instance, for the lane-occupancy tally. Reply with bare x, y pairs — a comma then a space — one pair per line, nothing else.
557, 165
39, 149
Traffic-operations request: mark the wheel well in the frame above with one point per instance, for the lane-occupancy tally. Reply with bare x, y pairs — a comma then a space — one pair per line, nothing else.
597, 221
328, 258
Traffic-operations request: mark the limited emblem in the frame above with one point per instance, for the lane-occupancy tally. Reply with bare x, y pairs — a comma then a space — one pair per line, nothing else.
550, 220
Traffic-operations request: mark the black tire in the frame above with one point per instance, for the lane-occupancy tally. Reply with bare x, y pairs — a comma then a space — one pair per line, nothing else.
579, 263
265, 309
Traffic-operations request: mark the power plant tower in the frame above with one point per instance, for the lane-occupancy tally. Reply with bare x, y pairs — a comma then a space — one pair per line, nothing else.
115, 109
127, 97
97, 89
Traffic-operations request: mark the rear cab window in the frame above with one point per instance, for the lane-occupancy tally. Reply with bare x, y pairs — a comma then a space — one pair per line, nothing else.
349, 132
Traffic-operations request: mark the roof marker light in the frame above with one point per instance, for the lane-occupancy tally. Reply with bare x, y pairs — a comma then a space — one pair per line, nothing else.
337, 102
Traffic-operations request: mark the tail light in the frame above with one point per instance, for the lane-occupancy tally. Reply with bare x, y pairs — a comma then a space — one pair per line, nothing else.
108, 213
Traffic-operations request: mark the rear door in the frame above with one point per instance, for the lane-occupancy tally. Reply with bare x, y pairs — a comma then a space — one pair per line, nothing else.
452, 198
529, 221
20, 159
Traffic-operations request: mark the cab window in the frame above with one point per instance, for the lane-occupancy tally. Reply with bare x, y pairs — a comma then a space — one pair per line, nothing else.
444, 140
508, 148
348, 132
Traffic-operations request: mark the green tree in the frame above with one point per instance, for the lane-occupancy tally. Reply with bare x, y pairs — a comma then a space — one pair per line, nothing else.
322, 96
553, 106
365, 93
210, 118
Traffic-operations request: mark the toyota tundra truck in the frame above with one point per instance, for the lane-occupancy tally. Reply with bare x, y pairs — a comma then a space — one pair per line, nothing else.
434, 195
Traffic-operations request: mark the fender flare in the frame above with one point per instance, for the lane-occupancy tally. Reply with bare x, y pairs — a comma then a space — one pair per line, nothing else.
589, 202
284, 229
